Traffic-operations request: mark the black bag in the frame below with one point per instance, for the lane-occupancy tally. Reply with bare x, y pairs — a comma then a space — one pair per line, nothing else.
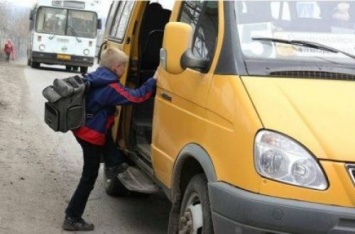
65, 109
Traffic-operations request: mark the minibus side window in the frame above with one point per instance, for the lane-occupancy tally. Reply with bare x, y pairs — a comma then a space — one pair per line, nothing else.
111, 16
203, 17
121, 21
117, 19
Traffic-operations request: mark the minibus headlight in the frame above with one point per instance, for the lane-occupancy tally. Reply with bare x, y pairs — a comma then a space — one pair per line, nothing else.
86, 52
280, 158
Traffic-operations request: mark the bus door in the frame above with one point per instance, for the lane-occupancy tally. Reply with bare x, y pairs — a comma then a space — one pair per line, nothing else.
120, 33
149, 42
137, 28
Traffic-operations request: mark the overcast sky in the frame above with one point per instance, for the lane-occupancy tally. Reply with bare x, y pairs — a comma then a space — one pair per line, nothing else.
26, 3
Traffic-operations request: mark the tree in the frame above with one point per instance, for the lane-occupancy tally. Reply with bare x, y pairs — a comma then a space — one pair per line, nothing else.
14, 24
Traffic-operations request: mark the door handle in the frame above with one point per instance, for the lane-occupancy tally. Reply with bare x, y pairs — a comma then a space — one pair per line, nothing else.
166, 96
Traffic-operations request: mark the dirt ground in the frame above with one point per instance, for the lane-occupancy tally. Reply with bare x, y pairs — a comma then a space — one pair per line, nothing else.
39, 170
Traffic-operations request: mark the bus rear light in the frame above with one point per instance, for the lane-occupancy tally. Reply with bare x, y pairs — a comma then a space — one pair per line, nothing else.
86, 52
39, 38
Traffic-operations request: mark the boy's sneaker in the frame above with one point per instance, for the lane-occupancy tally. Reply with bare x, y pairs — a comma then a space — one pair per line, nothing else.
71, 224
114, 171
122, 168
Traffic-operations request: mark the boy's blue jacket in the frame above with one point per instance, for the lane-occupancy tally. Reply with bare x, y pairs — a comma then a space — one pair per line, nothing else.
105, 93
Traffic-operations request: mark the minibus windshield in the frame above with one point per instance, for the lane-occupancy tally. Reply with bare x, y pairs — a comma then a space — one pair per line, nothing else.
271, 29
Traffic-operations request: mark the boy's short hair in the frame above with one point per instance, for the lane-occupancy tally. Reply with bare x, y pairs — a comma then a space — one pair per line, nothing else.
110, 56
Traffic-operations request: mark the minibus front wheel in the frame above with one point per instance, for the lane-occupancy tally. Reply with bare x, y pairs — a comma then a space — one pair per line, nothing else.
195, 213
35, 64
83, 70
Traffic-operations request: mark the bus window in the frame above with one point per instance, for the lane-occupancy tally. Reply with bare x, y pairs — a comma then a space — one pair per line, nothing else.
117, 19
50, 20
203, 16
313, 21
280, 11
247, 11
111, 16
307, 10
83, 24
120, 24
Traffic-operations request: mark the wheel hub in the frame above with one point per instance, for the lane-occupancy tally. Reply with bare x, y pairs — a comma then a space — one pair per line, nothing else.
192, 219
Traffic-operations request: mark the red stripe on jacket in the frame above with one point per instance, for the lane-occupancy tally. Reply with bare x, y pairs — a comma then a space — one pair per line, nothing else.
90, 135
127, 95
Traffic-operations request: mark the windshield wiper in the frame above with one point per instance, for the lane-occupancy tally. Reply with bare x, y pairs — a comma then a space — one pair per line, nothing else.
309, 44
74, 33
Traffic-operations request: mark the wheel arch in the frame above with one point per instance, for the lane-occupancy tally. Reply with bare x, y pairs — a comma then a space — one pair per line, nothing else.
193, 159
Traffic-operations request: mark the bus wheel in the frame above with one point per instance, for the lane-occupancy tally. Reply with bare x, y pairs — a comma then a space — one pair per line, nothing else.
113, 185
75, 68
195, 213
83, 69
68, 68
35, 64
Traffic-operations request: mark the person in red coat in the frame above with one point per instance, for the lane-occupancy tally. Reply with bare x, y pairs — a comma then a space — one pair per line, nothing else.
9, 50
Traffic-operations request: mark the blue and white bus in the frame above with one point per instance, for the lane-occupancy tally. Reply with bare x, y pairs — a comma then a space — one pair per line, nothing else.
63, 32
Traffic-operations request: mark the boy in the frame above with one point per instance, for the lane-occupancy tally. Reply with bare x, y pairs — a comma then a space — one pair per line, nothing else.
105, 93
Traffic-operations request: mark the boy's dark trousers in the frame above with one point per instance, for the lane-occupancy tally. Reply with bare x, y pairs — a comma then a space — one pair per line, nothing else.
92, 158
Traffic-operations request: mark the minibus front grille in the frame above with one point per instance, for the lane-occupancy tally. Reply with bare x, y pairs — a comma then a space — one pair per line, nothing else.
351, 170
314, 74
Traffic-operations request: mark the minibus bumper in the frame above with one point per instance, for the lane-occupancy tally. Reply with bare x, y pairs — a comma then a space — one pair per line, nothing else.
62, 59
238, 211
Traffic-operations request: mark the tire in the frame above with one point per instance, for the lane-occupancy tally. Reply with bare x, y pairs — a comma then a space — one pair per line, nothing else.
195, 213
35, 64
83, 70
113, 186
68, 68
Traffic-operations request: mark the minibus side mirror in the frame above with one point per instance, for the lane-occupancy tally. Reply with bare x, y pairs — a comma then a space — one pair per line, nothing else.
99, 23
189, 60
177, 40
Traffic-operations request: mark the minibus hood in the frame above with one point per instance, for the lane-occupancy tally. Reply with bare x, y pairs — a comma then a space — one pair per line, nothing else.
319, 114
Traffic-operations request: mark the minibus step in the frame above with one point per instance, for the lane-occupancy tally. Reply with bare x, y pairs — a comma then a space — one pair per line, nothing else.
137, 181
